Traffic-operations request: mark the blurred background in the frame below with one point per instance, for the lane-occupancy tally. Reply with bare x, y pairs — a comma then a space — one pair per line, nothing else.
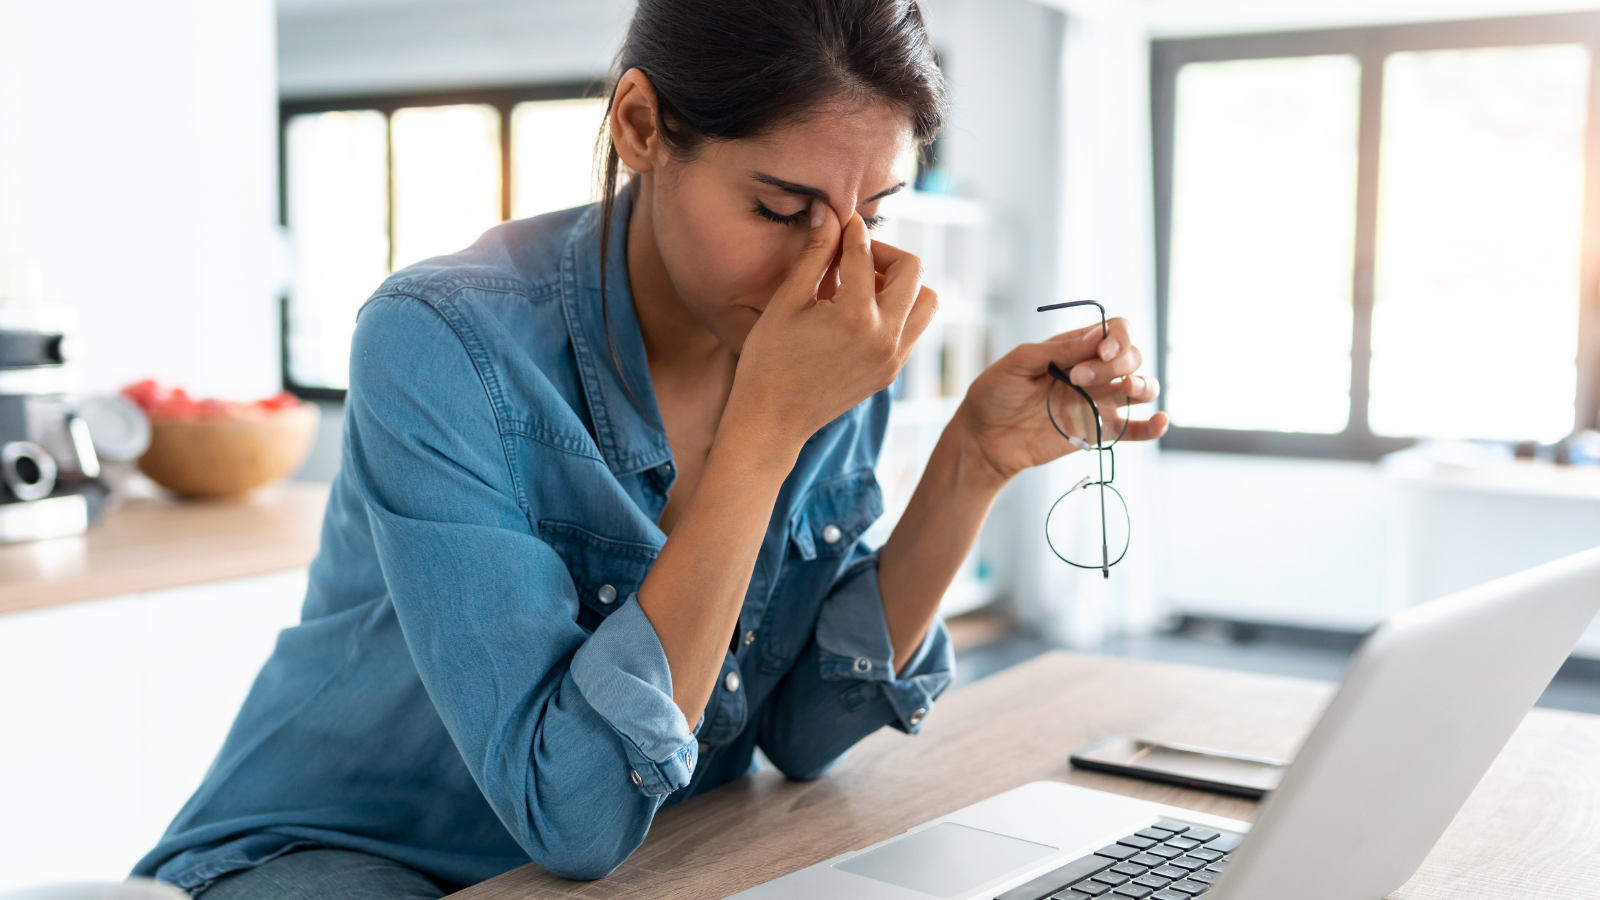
1359, 239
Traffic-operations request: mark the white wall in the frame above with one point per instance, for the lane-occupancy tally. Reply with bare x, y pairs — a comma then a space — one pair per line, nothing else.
137, 168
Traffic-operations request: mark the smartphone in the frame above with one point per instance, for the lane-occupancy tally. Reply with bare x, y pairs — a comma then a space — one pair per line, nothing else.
1194, 767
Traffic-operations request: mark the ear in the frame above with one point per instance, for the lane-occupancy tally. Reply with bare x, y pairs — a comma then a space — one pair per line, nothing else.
634, 128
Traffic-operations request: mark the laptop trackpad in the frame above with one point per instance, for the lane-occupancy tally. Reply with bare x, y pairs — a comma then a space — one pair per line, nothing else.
946, 860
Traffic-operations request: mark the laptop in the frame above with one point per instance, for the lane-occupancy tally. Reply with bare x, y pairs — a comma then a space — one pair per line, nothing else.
1427, 703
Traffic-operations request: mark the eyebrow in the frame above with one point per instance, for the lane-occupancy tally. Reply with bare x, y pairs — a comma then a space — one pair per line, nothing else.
801, 190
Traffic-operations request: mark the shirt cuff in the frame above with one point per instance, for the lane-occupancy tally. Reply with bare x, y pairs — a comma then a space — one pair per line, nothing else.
622, 673
853, 645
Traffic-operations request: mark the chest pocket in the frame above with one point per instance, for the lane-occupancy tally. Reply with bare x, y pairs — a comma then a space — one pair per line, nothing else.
823, 529
832, 516
604, 571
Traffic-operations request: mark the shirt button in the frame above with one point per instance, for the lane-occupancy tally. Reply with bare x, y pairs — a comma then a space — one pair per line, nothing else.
607, 595
637, 781
918, 716
731, 682
831, 534
749, 638
863, 665
664, 470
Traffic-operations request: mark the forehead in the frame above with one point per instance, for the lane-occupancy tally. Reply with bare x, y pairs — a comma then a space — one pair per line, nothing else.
857, 150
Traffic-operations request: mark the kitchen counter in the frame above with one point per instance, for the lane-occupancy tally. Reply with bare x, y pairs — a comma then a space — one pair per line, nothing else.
151, 543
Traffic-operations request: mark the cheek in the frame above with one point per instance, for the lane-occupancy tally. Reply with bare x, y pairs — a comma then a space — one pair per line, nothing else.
717, 264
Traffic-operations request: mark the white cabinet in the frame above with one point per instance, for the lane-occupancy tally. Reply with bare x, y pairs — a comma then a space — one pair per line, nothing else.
113, 709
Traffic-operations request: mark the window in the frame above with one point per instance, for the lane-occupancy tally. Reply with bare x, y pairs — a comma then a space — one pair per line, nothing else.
372, 185
1368, 236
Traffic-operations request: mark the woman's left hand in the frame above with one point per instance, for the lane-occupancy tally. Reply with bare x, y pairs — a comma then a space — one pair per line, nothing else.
1004, 410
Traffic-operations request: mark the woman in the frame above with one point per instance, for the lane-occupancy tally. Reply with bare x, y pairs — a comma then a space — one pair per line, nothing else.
596, 536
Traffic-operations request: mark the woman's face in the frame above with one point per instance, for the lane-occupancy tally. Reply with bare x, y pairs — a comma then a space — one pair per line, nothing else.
730, 222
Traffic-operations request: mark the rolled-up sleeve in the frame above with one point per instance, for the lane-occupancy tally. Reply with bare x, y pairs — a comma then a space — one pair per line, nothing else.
623, 673
844, 686
572, 737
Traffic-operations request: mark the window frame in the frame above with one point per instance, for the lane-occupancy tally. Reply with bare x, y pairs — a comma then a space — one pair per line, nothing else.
503, 99
1371, 45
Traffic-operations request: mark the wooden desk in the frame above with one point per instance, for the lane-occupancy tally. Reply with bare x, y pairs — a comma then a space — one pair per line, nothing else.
1531, 830
152, 543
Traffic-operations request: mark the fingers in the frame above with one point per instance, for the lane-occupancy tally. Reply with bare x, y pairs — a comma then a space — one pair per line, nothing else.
855, 260
1147, 429
816, 257
1108, 358
922, 310
902, 278
1130, 389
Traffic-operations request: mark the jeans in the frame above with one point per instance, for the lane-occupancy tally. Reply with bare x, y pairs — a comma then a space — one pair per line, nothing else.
325, 875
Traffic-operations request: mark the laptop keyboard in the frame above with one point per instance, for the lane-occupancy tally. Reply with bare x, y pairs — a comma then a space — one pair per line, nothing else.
1167, 861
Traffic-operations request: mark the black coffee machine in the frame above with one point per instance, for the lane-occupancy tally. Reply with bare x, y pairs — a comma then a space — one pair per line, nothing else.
49, 474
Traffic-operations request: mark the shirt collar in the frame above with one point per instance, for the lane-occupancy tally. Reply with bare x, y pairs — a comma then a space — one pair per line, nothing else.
627, 422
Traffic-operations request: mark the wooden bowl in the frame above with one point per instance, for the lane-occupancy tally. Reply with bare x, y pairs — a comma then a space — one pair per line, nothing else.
225, 457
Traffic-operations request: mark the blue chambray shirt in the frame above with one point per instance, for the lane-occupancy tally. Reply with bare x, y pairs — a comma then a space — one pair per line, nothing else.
473, 684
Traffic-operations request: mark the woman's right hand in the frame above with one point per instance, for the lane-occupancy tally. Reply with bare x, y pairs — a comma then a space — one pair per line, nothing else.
811, 358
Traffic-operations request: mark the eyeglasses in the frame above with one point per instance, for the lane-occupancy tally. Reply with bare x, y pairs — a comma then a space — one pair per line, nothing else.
1069, 525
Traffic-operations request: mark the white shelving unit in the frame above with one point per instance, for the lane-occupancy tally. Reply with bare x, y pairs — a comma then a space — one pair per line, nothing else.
950, 235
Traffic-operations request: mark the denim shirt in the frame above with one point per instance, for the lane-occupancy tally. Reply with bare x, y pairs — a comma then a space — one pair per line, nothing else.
473, 684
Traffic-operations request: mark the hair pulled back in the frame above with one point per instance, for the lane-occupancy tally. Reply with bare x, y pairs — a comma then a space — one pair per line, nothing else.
730, 69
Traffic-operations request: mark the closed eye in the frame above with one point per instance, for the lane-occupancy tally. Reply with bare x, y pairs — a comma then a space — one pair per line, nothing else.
794, 218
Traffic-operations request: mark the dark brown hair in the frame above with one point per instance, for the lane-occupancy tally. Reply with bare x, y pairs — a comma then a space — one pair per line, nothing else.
730, 69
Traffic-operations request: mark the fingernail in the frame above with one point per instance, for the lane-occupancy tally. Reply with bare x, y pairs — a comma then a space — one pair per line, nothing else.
1109, 348
1082, 375
817, 214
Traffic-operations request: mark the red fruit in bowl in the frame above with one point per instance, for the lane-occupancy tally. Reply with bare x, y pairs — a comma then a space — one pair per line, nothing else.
283, 400
159, 402
147, 394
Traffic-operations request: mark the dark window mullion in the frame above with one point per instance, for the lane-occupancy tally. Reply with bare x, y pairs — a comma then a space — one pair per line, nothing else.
1369, 144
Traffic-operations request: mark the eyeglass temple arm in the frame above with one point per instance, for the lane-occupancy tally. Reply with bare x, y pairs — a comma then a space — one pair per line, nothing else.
1104, 330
